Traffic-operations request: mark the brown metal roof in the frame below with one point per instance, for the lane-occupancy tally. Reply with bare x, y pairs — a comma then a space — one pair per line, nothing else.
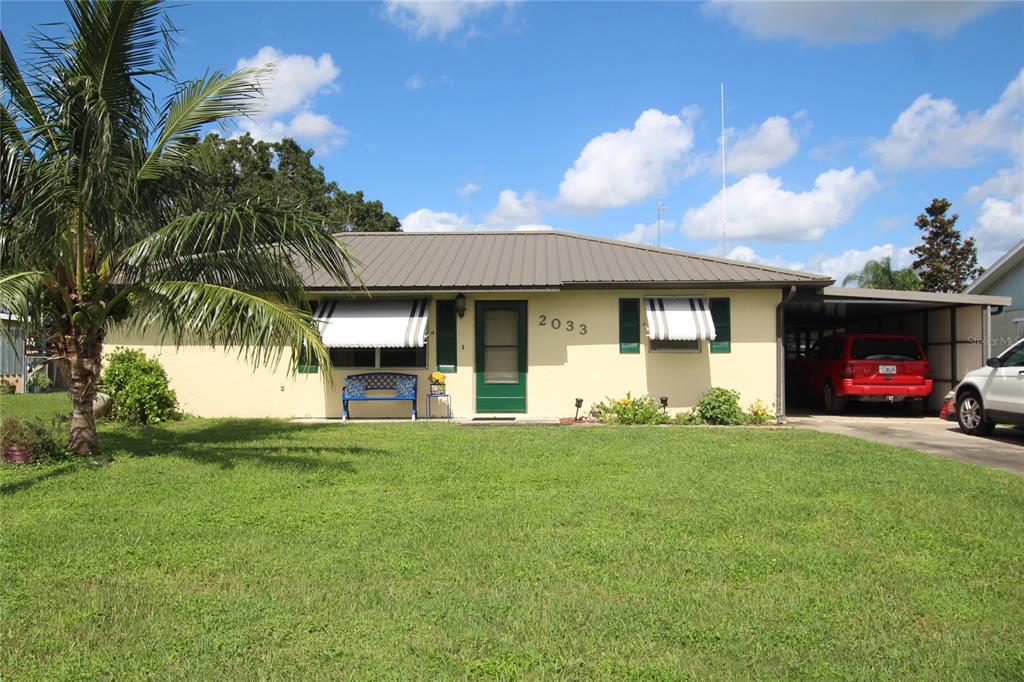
412, 261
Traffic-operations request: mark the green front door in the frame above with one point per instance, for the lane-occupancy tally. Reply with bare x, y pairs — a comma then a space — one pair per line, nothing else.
500, 356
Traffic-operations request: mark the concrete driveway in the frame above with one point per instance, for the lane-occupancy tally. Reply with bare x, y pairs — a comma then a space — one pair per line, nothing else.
1004, 449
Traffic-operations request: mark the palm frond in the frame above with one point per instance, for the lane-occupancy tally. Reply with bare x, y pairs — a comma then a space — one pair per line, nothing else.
261, 330
20, 94
199, 103
252, 227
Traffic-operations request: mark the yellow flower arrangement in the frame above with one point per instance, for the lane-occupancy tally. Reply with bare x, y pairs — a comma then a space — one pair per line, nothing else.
437, 378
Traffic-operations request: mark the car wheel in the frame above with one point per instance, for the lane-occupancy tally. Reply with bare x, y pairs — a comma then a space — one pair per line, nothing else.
970, 414
834, 404
914, 408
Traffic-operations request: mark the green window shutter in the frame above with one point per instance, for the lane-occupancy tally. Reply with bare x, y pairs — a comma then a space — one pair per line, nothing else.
629, 325
446, 341
723, 325
307, 363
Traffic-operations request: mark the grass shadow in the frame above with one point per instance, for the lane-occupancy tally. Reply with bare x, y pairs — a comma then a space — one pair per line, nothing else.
226, 443
11, 488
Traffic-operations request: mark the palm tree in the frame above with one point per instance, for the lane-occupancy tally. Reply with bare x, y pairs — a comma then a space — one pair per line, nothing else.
106, 217
878, 274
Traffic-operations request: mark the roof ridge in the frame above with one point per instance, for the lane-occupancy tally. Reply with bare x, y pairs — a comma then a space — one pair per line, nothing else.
690, 254
810, 276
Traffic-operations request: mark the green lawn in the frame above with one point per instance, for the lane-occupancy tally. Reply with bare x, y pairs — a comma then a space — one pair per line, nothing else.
34, 405
263, 549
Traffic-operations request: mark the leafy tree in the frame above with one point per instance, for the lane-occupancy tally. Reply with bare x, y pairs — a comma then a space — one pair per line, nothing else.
105, 216
878, 274
945, 262
247, 169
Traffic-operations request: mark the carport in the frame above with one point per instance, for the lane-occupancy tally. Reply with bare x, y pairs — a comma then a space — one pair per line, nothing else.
955, 329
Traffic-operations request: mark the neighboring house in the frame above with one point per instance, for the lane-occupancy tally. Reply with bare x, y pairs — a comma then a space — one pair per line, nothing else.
12, 350
524, 323
1005, 278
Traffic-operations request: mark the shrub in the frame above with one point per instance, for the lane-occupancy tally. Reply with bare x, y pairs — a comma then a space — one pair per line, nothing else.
629, 410
720, 406
42, 440
139, 388
39, 381
760, 414
690, 418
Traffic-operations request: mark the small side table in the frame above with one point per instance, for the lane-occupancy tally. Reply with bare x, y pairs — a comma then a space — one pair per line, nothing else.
444, 397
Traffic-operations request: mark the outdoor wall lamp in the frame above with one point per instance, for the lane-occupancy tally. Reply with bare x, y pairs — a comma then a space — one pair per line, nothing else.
460, 305
664, 403
579, 404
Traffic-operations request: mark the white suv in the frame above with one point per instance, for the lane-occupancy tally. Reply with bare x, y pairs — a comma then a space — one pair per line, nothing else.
993, 394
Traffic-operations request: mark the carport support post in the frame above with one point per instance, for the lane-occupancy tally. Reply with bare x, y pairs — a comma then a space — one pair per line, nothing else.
780, 355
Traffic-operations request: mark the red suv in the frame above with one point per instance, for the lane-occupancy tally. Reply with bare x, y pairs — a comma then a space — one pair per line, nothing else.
866, 367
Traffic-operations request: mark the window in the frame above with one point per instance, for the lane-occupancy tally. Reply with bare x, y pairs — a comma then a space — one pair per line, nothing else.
720, 315
629, 325
1014, 357
307, 362
402, 357
354, 357
371, 358
675, 346
447, 348
884, 349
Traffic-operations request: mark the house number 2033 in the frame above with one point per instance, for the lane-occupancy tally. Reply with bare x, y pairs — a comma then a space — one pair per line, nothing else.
564, 325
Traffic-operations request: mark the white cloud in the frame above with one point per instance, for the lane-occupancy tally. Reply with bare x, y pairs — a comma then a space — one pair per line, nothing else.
467, 189
853, 260
757, 207
314, 128
434, 18
766, 146
748, 255
1006, 184
1000, 226
294, 80
628, 165
288, 92
513, 209
426, 220
845, 22
415, 82
646, 234
931, 132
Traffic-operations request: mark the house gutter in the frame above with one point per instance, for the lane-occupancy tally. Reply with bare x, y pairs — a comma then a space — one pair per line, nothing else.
780, 355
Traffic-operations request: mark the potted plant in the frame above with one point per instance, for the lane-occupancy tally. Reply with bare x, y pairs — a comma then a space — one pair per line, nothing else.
39, 381
13, 441
437, 383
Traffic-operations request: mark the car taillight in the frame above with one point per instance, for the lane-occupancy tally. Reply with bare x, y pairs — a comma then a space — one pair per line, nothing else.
847, 371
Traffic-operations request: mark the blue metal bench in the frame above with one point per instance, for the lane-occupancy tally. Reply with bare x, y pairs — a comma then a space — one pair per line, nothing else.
357, 385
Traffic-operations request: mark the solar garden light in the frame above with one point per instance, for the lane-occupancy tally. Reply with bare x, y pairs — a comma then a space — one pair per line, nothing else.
579, 404
664, 403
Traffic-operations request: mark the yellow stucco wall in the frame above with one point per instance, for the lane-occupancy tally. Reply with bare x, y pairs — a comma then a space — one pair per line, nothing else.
563, 365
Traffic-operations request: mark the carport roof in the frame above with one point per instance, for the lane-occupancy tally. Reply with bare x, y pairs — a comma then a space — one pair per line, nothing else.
425, 261
834, 304
924, 297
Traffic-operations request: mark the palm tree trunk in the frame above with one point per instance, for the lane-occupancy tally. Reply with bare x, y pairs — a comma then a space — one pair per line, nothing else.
85, 370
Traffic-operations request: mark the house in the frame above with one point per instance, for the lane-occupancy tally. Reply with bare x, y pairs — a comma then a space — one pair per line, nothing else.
1005, 278
12, 351
525, 323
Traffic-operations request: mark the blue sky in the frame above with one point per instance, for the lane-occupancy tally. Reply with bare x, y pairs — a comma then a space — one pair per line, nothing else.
843, 119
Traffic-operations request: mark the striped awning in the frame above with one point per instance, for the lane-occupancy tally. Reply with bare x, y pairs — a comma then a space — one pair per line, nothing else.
373, 324
683, 318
